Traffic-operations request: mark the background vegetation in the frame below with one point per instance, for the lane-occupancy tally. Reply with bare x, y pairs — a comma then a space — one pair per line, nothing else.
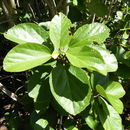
16, 107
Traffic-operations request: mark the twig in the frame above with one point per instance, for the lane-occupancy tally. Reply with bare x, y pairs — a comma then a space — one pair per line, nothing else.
66, 8
8, 93
54, 3
93, 19
31, 9
17, 3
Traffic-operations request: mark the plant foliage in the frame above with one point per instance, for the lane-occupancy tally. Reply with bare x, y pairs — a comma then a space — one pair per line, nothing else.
69, 68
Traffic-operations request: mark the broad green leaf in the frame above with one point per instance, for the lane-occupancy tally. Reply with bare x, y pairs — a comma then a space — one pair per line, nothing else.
59, 31
41, 124
112, 93
38, 89
94, 58
26, 33
26, 56
110, 119
116, 103
95, 32
109, 59
115, 89
101, 91
97, 7
70, 92
80, 74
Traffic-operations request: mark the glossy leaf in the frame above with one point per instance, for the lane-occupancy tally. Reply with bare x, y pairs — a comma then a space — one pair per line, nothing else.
109, 59
112, 93
94, 58
110, 119
26, 33
26, 56
41, 124
70, 92
59, 31
115, 89
95, 32
80, 74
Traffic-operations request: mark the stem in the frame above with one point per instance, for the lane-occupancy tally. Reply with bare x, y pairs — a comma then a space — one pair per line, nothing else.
8, 93
93, 19
66, 8
31, 9
17, 2
13, 5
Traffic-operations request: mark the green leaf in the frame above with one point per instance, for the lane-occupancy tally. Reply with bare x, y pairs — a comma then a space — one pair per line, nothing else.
26, 33
97, 7
26, 56
59, 31
109, 59
97, 78
41, 124
95, 32
58, 108
70, 92
127, 55
91, 122
94, 58
112, 92
80, 74
38, 89
115, 89
116, 103
110, 119
75, 2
